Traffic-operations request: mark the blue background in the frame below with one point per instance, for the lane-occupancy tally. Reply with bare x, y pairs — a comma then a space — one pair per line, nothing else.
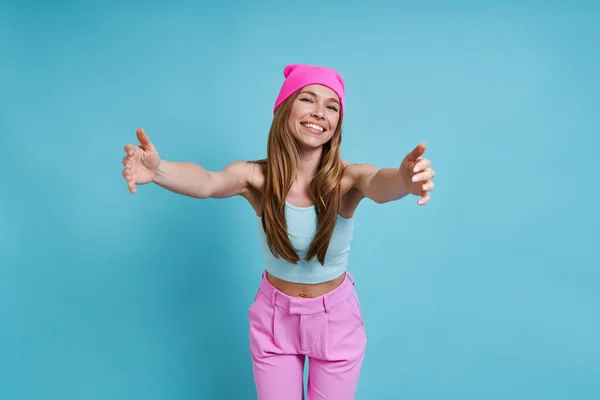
489, 292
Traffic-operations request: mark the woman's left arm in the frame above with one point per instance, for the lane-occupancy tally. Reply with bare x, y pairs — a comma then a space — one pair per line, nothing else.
414, 176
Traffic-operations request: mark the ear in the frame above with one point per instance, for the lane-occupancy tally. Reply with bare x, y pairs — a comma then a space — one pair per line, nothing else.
288, 69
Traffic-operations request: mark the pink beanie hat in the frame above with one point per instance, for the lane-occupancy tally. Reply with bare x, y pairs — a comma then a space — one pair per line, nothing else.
298, 76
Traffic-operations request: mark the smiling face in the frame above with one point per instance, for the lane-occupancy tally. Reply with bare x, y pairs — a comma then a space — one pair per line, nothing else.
314, 116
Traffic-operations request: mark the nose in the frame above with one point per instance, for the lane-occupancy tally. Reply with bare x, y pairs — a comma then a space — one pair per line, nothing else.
319, 111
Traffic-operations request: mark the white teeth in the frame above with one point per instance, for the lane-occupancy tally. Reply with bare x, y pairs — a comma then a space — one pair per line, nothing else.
317, 127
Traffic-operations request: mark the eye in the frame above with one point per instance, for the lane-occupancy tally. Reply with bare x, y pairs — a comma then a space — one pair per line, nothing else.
306, 99
334, 108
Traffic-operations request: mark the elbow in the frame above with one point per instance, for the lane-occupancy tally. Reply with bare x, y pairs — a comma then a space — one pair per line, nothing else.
387, 198
207, 191
379, 200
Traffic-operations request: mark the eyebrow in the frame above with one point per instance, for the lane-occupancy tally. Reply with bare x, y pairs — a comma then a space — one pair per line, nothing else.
314, 94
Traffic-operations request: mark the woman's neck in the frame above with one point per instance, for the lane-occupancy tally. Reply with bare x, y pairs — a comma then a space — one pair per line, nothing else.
308, 164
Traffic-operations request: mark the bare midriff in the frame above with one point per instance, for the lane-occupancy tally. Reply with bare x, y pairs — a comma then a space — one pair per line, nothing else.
305, 290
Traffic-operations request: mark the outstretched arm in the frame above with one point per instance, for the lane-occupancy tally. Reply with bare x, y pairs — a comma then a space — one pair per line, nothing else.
193, 180
414, 176
143, 165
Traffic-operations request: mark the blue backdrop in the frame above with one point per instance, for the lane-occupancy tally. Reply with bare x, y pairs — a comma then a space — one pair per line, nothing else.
489, 292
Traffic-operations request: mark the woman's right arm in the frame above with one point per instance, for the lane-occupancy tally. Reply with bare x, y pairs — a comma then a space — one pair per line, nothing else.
143, 165
192, 180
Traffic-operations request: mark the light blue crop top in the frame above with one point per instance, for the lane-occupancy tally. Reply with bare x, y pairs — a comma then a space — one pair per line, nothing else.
302, 227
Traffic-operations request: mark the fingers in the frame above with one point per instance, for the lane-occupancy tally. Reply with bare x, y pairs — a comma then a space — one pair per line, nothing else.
130, 149
131, 187
426, 175
424, 200
128, 175
421, 165
422, 172
428, 186
128, 172
143, 138
416, 152
426, 189
144, 143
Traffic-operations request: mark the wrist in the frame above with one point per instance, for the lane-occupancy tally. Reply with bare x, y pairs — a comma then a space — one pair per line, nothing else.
160, 170
403, 182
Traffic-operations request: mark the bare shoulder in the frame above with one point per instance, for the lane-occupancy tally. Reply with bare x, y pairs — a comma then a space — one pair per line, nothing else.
250, 171
236, 178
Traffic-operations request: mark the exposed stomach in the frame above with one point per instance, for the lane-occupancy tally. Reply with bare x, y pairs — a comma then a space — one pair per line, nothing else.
303, 289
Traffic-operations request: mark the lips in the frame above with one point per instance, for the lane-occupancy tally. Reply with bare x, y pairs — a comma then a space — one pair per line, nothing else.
314, 126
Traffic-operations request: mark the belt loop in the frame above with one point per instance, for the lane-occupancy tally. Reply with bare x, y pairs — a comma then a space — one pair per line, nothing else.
325, 303
351, 278
274, 297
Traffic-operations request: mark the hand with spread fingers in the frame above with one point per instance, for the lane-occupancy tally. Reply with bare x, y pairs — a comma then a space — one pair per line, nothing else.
417, 174
141, 162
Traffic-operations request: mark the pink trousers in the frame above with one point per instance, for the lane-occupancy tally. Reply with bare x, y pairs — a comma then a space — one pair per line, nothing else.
328, 330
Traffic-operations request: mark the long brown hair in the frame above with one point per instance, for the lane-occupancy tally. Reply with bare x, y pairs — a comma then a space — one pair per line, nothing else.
280, 168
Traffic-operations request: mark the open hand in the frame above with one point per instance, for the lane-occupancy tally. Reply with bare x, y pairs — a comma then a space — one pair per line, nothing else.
417, 174
141, 162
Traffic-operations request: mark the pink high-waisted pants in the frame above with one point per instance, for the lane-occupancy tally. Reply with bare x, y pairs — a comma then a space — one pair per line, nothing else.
329, 330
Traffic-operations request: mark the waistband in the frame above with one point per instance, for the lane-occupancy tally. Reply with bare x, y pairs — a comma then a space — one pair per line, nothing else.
306, 306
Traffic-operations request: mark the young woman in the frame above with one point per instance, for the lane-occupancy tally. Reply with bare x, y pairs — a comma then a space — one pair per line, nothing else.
304, 197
